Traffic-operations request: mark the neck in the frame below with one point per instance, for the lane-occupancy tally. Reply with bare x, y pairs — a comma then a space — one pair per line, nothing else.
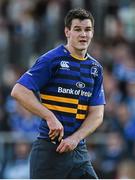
75, 52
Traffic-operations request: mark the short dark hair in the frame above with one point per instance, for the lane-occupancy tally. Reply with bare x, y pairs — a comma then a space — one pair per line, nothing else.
78, 13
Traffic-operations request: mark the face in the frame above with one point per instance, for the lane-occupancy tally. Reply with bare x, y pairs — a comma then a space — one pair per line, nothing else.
80, 34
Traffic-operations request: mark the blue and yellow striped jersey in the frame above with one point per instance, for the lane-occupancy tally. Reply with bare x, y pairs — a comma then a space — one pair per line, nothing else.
67, 87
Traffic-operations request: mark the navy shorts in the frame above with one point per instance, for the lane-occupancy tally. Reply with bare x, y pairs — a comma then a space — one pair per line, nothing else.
46, 163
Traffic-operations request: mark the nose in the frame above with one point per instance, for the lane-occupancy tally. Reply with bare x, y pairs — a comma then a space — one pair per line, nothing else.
83, 33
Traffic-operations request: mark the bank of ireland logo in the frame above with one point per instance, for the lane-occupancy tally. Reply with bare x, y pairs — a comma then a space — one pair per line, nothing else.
64, 65
94, 71
80, 85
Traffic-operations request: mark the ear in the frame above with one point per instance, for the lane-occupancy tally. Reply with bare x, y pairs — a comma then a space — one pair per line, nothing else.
92, 33
67, 32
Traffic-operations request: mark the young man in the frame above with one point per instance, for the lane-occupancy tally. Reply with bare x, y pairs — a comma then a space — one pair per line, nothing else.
69, 82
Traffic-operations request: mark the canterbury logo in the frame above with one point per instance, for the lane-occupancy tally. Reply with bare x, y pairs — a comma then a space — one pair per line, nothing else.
64, 64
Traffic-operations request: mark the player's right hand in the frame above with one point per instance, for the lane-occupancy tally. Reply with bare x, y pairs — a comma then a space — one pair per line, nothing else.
56, 129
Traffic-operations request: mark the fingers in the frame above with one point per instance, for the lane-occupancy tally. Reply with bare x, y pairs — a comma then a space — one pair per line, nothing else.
53, 134
56, 129
67, 145
62, 147
61, 135
56, 133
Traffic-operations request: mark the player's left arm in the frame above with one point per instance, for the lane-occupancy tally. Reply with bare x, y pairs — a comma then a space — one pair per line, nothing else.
91, 123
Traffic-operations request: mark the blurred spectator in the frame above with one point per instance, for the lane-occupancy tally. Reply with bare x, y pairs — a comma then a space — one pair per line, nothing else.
4, 44
51, 22
22, 31
21, 121
133, 151
126, 169
4, 126
78, 3
17, 168
127, 16
112, 153
130, 98
9, 75
124, 64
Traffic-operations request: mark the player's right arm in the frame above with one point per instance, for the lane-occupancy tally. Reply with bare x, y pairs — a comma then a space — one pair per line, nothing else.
29, 101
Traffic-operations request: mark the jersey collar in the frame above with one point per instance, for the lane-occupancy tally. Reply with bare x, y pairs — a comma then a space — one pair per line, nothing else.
75, 57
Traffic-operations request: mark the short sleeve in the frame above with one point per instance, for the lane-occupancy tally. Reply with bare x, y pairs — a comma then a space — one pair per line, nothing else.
38, 75
98, 96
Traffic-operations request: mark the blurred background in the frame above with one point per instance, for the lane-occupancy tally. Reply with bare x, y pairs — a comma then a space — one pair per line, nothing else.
29, 28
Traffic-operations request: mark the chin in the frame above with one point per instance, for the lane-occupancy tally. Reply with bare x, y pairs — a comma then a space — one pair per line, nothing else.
82, 48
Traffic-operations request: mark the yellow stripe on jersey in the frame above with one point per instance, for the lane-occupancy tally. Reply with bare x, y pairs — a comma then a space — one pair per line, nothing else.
80, 116
60, 108
59, 99
82, 107
82, 59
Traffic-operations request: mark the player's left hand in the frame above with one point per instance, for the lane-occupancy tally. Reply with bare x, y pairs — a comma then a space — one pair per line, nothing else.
67, 144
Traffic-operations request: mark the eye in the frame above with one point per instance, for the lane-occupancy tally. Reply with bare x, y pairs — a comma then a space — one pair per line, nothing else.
78, 30
87, 30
